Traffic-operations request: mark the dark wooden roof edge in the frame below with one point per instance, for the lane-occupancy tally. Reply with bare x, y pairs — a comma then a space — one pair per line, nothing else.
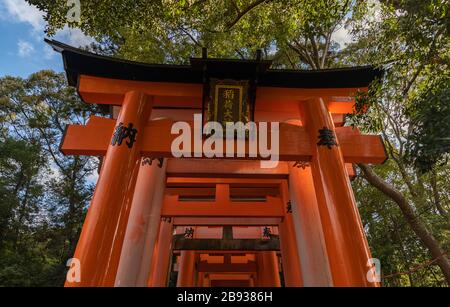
81, 62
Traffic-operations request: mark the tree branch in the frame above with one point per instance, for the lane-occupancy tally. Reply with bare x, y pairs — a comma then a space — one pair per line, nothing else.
411, 217
241, 14
326, 48
191, 37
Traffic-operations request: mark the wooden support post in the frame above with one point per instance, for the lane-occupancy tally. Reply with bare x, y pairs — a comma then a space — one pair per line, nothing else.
143, 225
347, 248
271, 260
206, 280
200, 276
158, 276
289, 255
252, 281
101, 239
308, 229
186, 269
268, 272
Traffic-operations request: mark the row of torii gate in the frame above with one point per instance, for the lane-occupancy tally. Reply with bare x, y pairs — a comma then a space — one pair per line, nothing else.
155, 220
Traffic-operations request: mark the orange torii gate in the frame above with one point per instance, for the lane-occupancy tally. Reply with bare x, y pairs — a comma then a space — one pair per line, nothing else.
144, 192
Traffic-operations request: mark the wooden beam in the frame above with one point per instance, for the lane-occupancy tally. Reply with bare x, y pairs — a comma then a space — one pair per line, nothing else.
236, 168
181, 243
224, 221
338, 119
222, 205
218, 277
205, 193
105, 91
93, 139
204, 266
172, 207
231, 168
176, 181
301, 94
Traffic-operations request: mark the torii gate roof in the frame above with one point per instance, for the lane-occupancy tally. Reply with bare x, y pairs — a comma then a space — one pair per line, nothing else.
79, 62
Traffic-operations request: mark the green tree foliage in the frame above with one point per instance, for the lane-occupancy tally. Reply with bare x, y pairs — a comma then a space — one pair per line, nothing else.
410, 108
294, 33
43, 193
21, 193
430, 121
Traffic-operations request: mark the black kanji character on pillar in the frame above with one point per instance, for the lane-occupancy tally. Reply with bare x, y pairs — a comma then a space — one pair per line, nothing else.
121, 133
266, 232
149, 161
289, 207
189, 232
301, 164
326, 137
166, 219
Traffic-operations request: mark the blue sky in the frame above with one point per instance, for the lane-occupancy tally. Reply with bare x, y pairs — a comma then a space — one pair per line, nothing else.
22, 47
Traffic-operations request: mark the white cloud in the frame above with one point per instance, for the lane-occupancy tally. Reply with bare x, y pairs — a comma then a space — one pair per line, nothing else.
73, 36
48, 52
21, 11
24, 48
92, 178
342, 36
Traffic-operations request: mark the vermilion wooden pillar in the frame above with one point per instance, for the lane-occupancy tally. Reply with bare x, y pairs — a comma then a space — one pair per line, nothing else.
199, 282
143, 225
308, 228
186, 269
268, 272
252, 281
347, 247
289, 256
101, 239
206, 281
158, 276
271, 261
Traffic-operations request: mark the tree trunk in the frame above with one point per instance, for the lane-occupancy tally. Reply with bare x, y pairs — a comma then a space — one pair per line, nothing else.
413, 220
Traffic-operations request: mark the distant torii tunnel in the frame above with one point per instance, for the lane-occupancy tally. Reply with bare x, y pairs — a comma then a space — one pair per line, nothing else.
157, 220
